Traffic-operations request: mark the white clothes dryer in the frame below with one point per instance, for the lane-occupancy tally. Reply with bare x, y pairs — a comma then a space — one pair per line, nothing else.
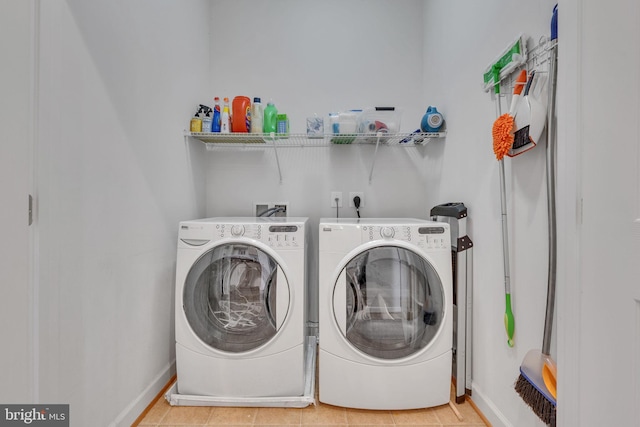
240, 308
385, 312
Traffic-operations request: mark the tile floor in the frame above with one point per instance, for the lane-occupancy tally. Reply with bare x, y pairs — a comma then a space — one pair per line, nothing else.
165, 415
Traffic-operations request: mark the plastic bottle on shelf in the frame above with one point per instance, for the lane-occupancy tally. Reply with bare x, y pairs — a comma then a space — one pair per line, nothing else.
432, 120
241, 113
225, 118
270, 123
215, 121
196, 121
256, 116
334, 125
206, 120
282, 123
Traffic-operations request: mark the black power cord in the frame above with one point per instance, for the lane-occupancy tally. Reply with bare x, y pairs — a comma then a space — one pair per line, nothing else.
356, 203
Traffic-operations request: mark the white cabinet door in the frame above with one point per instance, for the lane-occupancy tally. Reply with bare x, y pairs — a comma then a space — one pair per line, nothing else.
603, 383
15, 122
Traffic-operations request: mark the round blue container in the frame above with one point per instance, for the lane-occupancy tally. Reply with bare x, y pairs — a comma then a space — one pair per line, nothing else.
432, 120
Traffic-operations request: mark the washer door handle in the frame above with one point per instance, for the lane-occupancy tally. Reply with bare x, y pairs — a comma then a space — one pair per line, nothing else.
340, 302
283, 296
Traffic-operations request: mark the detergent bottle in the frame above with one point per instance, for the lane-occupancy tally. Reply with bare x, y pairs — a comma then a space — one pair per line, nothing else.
256, 116
270, 123
241, 113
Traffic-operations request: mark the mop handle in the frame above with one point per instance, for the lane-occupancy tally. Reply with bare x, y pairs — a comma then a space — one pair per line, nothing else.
505, 223
509, 321
551, 202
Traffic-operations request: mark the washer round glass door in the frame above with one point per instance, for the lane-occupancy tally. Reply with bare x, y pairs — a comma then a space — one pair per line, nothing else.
235, 297
388, 302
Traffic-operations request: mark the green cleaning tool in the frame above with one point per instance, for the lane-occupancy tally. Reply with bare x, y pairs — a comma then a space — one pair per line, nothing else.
511, 58
509, 321
508, 62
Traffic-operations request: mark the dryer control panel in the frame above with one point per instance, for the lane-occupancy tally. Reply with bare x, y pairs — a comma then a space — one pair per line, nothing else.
435, 236
284, 236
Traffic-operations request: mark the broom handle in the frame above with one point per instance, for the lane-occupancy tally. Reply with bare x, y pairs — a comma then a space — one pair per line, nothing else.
551, 202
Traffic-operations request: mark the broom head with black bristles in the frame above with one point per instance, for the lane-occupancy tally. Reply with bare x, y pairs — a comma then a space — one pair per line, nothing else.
532, 389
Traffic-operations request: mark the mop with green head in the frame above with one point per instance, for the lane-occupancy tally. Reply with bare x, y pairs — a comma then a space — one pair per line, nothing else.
512, 58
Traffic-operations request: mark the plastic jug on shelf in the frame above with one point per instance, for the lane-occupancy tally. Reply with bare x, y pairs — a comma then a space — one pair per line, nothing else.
432, 120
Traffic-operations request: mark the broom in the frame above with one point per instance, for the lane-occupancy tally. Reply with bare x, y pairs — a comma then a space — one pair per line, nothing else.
537, 381
503, 135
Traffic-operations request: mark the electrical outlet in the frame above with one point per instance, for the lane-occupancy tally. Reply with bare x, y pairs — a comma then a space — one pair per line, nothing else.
271, 209
336, 195
353, 194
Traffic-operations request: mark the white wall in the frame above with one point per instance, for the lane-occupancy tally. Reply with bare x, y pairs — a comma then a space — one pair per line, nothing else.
317, 57
409, 54
116, 177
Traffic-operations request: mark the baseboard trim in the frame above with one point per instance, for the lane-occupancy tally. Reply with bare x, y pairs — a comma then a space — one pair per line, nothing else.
488, 410
133, 414
479, 411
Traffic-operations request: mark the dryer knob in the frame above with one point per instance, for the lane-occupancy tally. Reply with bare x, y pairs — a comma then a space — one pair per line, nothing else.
387, 232
237, 230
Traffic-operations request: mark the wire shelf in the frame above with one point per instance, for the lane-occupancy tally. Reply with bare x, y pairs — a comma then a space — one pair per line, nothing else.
214, 140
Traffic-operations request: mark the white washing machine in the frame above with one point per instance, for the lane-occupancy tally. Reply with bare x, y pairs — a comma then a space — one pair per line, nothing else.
240, 307
385, 311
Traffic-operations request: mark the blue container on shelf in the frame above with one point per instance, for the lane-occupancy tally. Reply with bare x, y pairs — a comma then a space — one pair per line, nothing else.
432, 120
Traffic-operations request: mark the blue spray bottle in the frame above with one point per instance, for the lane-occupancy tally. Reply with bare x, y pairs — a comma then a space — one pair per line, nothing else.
215, 123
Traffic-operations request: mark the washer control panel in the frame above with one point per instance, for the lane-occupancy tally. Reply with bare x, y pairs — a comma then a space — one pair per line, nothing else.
252, 231
274, 235
237, 230
435, 236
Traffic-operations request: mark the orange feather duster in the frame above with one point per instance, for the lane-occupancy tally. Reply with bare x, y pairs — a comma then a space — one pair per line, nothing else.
503, 126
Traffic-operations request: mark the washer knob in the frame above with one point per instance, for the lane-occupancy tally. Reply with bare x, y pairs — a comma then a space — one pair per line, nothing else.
387, 232
237, 230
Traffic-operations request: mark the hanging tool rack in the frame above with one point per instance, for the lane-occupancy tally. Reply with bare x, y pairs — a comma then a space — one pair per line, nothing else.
536, 58
502, 73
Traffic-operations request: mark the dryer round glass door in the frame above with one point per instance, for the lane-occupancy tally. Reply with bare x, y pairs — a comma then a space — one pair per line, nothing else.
235, 297
389, 302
